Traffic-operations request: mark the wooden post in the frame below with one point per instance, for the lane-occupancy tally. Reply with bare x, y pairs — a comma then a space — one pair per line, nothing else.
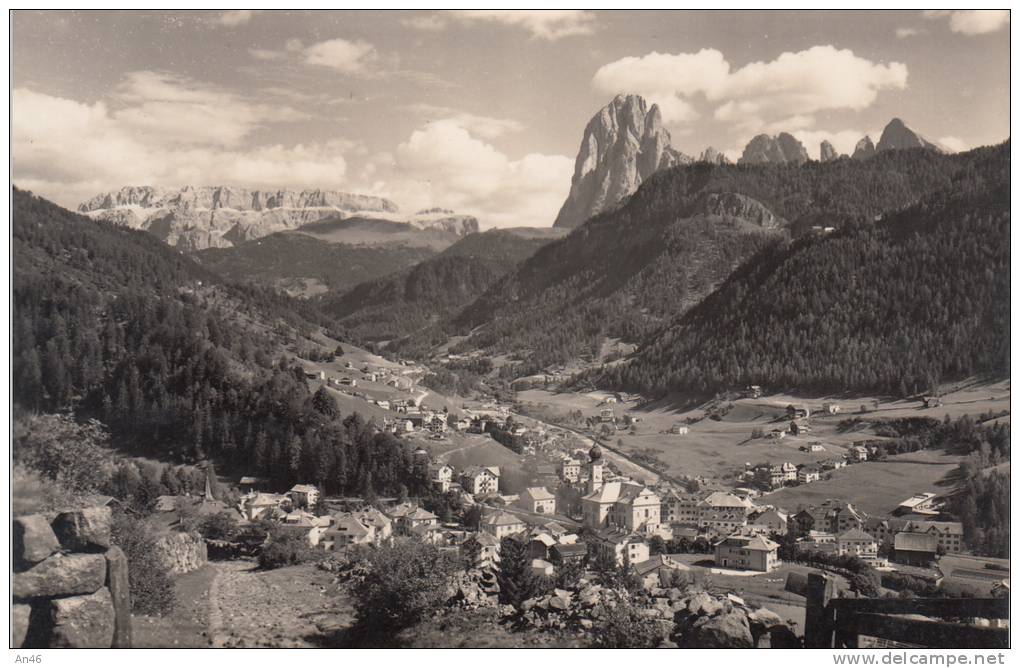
817, 619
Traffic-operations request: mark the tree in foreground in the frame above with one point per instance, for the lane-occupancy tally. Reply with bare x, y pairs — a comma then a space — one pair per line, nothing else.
621, 625
405, 584
152, 589
517, 582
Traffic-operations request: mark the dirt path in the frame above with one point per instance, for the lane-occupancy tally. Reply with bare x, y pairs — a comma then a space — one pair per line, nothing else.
189, 624
295, 606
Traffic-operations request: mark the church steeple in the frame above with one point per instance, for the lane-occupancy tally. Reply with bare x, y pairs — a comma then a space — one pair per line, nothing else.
595, 469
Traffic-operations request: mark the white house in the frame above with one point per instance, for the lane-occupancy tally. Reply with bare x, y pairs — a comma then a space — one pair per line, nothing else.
538, 500
304, 496
479, 480
502, 524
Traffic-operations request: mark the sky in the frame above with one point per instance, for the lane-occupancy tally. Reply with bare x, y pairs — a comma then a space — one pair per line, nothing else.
482, 111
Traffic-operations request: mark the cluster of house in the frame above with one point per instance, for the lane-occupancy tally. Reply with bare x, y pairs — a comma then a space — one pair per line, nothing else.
771, 476
735, 524
836, 526
414, 418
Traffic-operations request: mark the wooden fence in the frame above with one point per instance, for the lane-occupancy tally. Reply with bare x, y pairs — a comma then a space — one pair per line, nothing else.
840, 622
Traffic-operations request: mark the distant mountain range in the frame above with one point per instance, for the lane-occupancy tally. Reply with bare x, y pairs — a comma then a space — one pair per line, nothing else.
626, 272
787, 149
646, 236
194, 218
625, 143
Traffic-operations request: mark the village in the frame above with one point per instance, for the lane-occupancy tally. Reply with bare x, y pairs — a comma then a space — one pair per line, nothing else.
584, 484
584, 504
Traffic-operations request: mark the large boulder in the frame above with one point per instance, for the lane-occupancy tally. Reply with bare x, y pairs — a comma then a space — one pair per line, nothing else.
729, 630
85, 530
61, 576
120, 594
34, 540
764, 617
83, 621
559, 603
20, 614
703, 604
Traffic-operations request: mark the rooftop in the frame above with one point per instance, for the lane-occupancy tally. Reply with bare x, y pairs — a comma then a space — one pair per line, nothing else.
916, 542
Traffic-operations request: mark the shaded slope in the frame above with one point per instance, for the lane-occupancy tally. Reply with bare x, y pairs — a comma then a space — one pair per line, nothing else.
415, 299
297, 262
920, 298
627, 272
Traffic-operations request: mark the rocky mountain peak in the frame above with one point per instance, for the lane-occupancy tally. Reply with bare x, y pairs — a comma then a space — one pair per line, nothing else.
782, 149
897, 135
623, 144
712, 156
198, 217
864, 149
827, 152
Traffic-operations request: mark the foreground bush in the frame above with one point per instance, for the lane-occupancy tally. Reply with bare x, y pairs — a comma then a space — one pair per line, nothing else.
405, 584
218, 526
152, 589
622, 626
286, 546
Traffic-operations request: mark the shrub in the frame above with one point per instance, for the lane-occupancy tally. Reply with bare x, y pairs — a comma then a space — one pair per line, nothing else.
405, 584
63, 450
152, 589
219, 526
622, 626
286, 547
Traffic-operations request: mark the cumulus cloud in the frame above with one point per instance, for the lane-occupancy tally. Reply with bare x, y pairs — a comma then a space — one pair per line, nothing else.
346, 56
794, 84
903, 33
953, 144
486, 127
548, 24
972, 22
168, 108
157, 130
234, 18
443, 164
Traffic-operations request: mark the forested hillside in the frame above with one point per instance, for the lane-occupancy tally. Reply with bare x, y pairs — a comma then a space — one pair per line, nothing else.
898, 307
409, 309
628, 272
298, 262
112, 324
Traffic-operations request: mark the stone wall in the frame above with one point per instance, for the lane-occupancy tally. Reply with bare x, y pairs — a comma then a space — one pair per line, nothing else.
70, 584
182, 552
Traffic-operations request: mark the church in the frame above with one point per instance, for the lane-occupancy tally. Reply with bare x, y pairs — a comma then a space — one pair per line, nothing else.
625, 504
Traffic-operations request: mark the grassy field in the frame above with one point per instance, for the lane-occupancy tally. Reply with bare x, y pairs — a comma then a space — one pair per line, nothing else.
875, 487
717, 450
479, 450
